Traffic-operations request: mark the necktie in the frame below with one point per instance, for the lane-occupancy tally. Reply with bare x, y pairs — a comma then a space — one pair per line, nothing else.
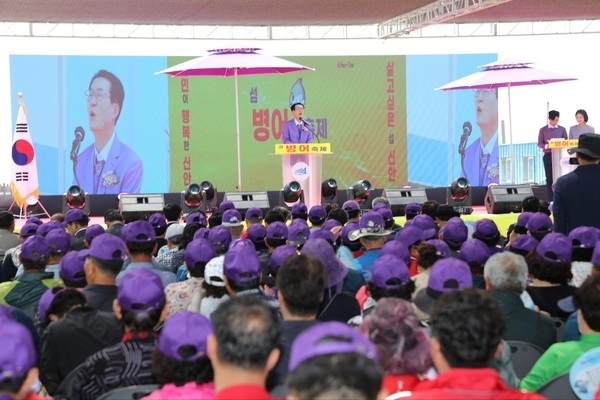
98, 167
299, 132
484, 159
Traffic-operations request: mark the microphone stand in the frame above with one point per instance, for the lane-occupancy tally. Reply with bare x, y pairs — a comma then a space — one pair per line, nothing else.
75, 159
461, 150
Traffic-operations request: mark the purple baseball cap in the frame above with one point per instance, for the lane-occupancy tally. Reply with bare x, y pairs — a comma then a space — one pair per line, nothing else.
447, 275
59, 241
196, 218
413, 209
199, 250
141, 291
474, 251
525, 243
279, 255
74, 214
442, 248
34, 220
277, 230
329, 338
29, 229
257, 233
409, 235
426, 224
385, 212
5, 313
584, 237
349, 227
71, 268
523, 219
455, 231
201, 233
371, 224
158, 220
321, 249
317, 214
379, 206
46, 301
241, 263
226, 205
539, 223
298, 232
350, 205
397, 249
232, 218
220, 237
330, 224
299, 209
138, 232
486, 229
92, 231
184, 336
555, 247
35, 248
387, 267
254, 212
17, 354
106, 247
322, 234
43, 229
596, 254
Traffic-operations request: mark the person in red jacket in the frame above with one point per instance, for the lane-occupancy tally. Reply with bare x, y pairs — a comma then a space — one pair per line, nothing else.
466, 330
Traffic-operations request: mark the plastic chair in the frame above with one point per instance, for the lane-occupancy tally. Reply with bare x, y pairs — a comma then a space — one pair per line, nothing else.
524, 356
65, 389
129, 392
559, 326
558, 389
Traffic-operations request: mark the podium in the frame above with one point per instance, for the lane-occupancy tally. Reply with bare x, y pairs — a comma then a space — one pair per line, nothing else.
303, 162
560, 157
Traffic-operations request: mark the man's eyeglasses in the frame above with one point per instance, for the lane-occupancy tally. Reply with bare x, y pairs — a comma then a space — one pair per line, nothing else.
485, 93
97, 96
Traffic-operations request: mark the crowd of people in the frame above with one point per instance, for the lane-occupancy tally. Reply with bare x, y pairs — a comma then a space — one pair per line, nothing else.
301, 303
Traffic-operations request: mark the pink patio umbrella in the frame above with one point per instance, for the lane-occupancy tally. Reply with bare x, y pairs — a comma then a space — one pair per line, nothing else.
506, 73
234, 62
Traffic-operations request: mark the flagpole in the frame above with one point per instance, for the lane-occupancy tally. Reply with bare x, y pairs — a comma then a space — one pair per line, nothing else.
21, 103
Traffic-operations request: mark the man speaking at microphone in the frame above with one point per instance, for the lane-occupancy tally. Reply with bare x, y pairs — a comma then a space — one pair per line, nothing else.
297, 130
107, 166
481, 161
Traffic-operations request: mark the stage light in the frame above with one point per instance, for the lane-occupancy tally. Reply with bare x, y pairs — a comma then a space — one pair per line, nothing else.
458, 196
291, 193
359, 191
329, 192
196, 196
75, 198
192, 196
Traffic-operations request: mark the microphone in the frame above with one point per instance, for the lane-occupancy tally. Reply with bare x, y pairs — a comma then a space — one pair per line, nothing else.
79, 136
309, 127
467, 127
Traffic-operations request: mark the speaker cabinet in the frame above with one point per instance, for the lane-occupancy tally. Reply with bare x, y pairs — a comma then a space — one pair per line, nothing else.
504, 199
399, 198
244, 200
140, 206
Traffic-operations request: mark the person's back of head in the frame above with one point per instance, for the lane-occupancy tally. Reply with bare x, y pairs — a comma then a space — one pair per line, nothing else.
7, 220
284, 211
530, 204
111, 216
466, 329
274, 216
507, 272
339, 215
215, 219
17, 360
300, 282
587, 300
104, 259
172, 212
429, 207
140, 300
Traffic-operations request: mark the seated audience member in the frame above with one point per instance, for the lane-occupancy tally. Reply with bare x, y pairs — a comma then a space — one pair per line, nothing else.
428, 207
257, 234
103, 262
8, 239
11, 263
522, 245
466, 330
487, 231
454, 233
189, 232
220, 237
243, 347
324, 234
403, 348
280, 254
172, 213
412, 210
299, 211
332, 360
559, 358
372, 236
349, 249
215, 219
443, 213
300, 283
72, 271
380, 200
518, 228
19, 373
338, 214
388, 220
60, 217
317, 215
475, 253
277, 235
389, 278
140, 241
298, 233
441, 247
539, 225
76, 223
91, 232
197, 217
173, 237
583, 238
274, 216
411, 236
254, 216
139, 305
201, 233
545, 207
226, 205
25, 291
447, 275
550, 267
114, 222
232, 219
59, 243
213, 292
44, 229
70, 340
159, 223
426, 224
427, 255
396, 249
180, 294
180, 362
285, 212
506, 278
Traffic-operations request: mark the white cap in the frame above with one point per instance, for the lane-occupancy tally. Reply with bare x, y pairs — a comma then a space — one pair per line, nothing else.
174, 230
214, 269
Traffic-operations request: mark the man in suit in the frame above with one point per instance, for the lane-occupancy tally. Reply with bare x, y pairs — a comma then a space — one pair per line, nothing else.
108, 166
481, 163
297, 130
577, 194
547, 132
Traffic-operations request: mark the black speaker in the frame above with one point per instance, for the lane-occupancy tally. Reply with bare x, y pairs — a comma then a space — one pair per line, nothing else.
399, 198
504, 199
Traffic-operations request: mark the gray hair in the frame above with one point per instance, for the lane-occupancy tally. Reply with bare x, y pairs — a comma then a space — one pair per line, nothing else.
507, 272
378, 200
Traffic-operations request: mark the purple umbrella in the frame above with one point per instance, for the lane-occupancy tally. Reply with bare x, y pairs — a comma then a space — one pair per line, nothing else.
506, 73
234, 62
